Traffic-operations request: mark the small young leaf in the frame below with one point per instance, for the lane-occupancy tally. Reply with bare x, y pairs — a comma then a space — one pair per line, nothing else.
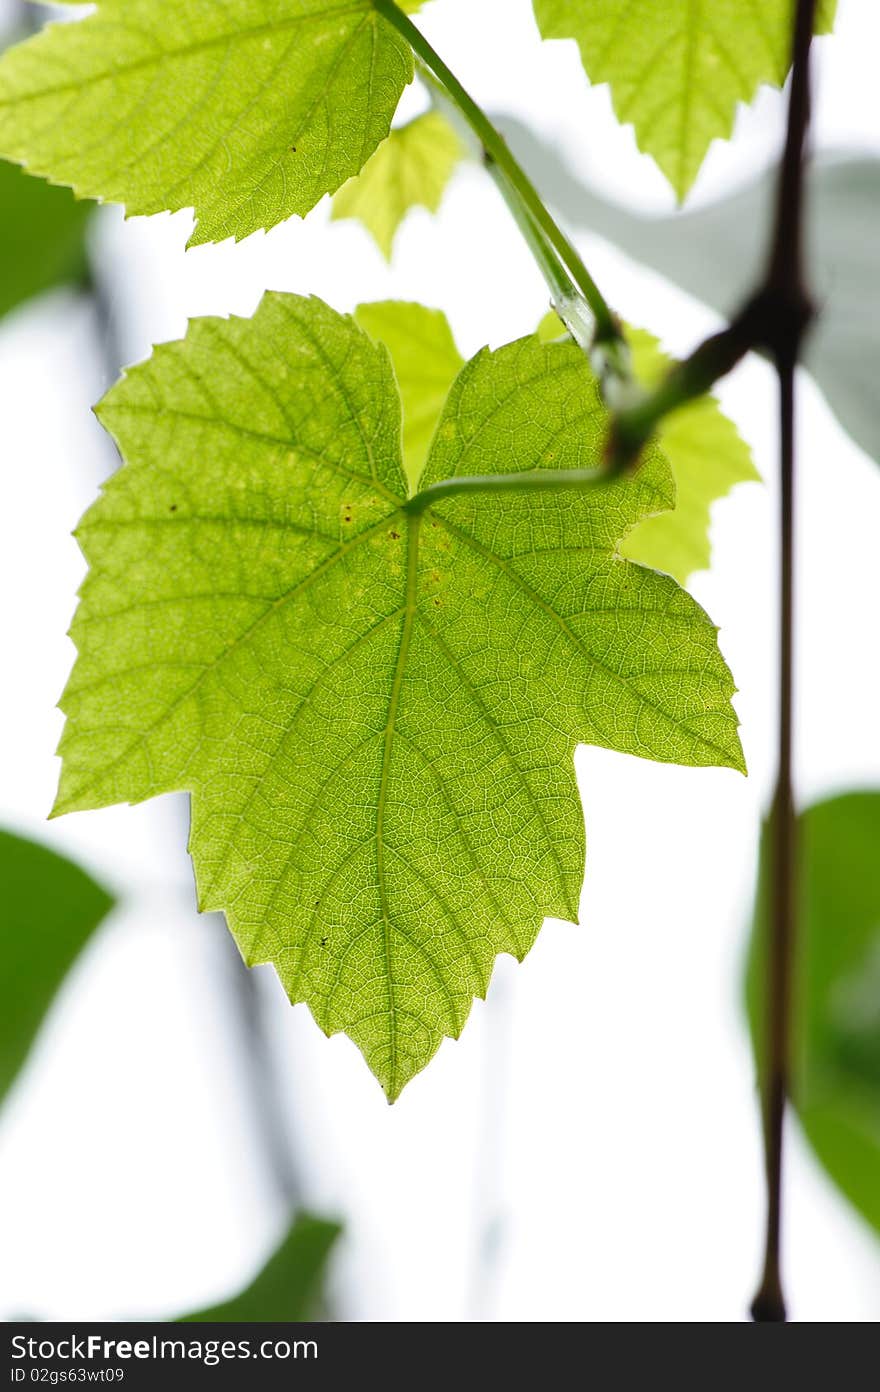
426, 363
374, 710
836, 1084
707, 454
50, 909
708, 457
410, 169
247, 111
289, 1287
677, 70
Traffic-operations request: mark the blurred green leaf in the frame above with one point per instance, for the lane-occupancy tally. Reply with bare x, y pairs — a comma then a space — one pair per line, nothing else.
426, 363
410, 169
716, 253
290, 1285
50, 909
837, 991
42, 237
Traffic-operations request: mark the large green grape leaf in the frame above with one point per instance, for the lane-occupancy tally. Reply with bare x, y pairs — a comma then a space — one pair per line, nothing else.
50, 908
247, 111
708, 457
836, 1083
426, 363
290, 1285
375, 710
677, 70
410, 169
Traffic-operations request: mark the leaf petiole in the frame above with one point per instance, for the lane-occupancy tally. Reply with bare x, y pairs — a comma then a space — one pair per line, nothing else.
519, 192
527, 481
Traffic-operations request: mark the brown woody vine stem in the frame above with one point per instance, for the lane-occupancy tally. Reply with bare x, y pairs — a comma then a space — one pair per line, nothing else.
786, 280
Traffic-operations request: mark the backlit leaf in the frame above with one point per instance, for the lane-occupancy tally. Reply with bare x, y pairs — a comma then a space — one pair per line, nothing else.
426, 363
410, 169
375, 711
247, 111
678, 69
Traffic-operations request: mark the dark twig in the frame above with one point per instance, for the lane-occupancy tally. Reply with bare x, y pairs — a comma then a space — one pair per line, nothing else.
786, 276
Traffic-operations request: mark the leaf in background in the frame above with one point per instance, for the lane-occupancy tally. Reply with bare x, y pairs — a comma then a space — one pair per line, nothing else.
410, 169
42, 238
290, 1286
426, 363
716, 252
678, 70
837, 991
375, 712
247, 111
708, 457
50, 909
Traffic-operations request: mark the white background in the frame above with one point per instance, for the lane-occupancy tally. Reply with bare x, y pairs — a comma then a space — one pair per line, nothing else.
589, 1150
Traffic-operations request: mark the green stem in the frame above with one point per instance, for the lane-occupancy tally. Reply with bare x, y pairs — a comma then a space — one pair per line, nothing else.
516, 183
527, 481
562, 287
633, 425
559, 281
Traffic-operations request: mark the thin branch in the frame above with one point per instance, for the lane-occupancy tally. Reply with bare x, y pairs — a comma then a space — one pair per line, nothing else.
768, 1305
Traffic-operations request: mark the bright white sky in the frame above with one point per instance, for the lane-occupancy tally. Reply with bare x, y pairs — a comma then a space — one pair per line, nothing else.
598, 1115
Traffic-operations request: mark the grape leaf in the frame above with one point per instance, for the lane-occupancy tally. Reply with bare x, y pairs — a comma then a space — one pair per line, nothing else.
50, 909
836, 1086
375, 711
289, 1287
707, 454
677, 70
247, 111
410, 169
426, 363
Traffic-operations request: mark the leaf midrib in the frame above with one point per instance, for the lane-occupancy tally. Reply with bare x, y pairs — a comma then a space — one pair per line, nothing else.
411, 603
